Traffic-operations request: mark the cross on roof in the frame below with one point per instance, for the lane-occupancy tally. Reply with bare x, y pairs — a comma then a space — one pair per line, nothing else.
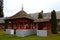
22, 7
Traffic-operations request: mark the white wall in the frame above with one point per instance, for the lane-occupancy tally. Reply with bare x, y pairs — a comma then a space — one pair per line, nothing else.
9, 31
41, 32
23, 33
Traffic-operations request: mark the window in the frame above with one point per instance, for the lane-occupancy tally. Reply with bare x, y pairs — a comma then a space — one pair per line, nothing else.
26, 26
20, 24
9, 22
8, 26
14, 25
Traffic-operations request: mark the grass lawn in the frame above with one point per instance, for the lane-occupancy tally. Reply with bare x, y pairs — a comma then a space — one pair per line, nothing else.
4, 36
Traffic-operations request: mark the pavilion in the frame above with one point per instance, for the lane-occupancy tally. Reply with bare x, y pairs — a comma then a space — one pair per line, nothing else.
22, 24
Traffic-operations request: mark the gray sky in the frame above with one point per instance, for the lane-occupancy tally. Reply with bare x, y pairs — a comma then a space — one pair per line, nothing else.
11, 7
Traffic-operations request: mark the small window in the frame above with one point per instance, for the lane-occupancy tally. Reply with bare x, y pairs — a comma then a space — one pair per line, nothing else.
44, 28
9, 22
26, 26
14, 24
9, 26
31, 25
20, 24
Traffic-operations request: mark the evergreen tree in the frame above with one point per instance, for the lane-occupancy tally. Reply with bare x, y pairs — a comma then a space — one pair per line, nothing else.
39, 24
40, 15
1, 12
53, 22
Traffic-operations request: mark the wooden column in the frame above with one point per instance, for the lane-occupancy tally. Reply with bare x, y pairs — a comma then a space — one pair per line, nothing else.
49, 28
9, 24
33, 26
36, 26
17, 25
23, 24
29, 24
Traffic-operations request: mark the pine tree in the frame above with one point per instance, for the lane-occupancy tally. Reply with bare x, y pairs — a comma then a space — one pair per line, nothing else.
53, 22
40, 24
1, 12
40, 15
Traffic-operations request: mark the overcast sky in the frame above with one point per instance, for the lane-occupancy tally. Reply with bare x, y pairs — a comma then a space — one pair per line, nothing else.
11, 7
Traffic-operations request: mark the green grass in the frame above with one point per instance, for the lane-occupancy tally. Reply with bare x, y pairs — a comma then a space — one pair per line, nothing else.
4, 36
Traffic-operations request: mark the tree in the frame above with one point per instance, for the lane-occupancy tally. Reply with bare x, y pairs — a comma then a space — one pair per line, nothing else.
40, 15
40, 26
1, 12
53, 22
